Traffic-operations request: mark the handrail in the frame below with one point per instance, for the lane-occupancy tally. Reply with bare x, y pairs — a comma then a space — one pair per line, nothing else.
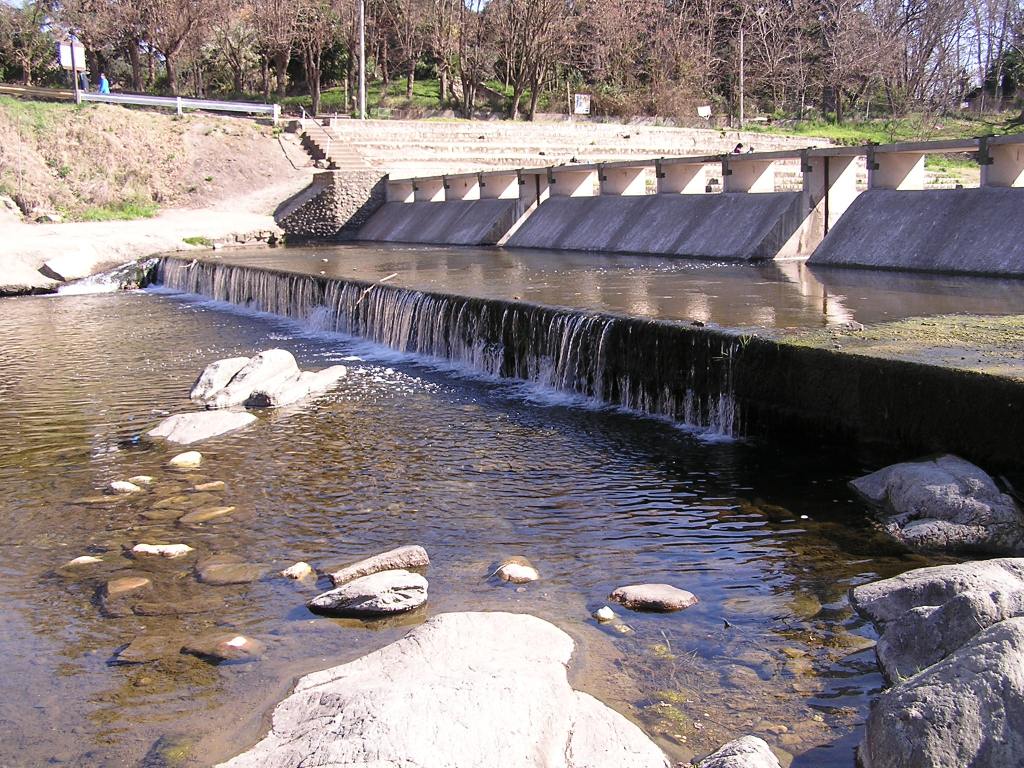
178, 103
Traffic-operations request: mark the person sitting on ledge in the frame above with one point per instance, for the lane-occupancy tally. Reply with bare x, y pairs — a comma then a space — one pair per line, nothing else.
738, 149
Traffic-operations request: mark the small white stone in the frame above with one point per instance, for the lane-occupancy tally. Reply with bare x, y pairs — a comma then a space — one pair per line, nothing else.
141, 480
238, 641
164, 550
187, 460
604, 614
298, 571
84, 560
517, 570
123, 486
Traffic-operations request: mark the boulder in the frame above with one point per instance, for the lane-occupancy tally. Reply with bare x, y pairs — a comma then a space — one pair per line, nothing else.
189, 428
123, 486
266, 371
927, 614
946, 505
968, 709
516, 570
163, 550
662, 598
224, 646
142, 479
475, 690
299, 571
604, 614
403, 558
306, 384
745, 752
10, 213
379, 594
186, 460
216, 376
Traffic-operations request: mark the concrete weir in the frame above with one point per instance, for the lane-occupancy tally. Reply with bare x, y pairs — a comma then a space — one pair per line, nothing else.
710, 378
454, 222
725, 226
942, 230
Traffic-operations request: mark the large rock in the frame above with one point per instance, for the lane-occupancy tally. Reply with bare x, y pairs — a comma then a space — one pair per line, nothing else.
306, 384
379, 594
745, 752
188, 428
266, 371
927, 614
473, 690
967, 710
944, 505
216, 376
401, 558
661, 598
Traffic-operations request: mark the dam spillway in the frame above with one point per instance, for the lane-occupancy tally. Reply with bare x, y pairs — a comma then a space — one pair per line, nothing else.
726, 381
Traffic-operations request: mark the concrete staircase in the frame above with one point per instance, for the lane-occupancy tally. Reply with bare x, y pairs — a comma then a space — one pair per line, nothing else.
330, 150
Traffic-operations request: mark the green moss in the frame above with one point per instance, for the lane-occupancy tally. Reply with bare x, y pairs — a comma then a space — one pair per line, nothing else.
199, 240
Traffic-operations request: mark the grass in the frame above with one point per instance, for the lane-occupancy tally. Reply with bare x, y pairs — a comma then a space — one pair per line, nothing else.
199, 240
914, 127
124, 210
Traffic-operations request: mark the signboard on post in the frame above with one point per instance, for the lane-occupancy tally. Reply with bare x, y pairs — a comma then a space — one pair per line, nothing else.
581, 104
65, 49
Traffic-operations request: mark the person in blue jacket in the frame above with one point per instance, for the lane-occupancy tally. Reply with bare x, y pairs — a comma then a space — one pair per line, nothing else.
104, 83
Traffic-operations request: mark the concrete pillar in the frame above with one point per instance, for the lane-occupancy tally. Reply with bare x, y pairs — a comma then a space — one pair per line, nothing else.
895, 170
1006, 166
830, 187
400, 191
495, 186
623, 181
742, 174
533, 188
429, 190
462, 187
682, 179
571, 183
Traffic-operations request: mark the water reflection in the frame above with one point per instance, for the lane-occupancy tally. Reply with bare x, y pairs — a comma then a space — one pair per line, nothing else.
399, 454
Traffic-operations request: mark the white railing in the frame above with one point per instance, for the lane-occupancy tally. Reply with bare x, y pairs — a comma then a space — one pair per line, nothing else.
178, 103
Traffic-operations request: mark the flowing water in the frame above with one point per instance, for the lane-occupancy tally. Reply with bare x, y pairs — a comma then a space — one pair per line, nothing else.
470, 467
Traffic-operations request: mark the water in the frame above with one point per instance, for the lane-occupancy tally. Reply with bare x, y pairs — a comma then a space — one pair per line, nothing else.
765, 297
403, 453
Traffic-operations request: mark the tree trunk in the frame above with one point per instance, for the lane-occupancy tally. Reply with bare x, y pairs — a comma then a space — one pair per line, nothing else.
311, 58
281, 72
517, 97
136, 63
443, 89
410, 81
265, 77
172, 76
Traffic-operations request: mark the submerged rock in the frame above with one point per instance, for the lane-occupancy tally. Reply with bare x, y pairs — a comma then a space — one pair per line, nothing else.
189, 428
947, 505
125, 585
83, 560
517, 570
211, 487
187, 460
219, 570
163, 550
147, 648
306, 384
224, 646
299, 571
266, 371
142, 479
463, 689
216, 376
968, 709
662, 598
205, 515
379, 594
745, 752
172, 502
403, 558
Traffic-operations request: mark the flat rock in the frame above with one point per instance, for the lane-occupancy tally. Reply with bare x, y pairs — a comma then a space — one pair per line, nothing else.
83, 560
966, 710
170, 551
189, 428
474, 690
227, 569
266, 371
517, 570
205, 515
403, 558
946, 505
662, 598
211, 487
186, 460
224, 646
147, 648
745, 752
306, 384
125, 585
379, 594
216, 376
172, 502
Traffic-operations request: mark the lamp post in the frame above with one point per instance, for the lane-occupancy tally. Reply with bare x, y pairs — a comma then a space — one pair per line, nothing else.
362, 59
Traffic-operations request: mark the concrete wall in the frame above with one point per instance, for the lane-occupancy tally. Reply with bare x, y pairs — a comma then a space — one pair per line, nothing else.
455, 222
726, 226
334, 206
946, 230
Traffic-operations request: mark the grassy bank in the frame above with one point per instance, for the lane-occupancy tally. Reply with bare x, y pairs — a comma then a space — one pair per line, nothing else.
887, 131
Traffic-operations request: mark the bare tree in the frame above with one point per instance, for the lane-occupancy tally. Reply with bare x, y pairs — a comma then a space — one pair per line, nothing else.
316, 30
276, 23
24, 39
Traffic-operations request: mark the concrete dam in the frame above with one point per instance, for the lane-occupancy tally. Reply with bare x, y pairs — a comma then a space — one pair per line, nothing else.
664, 206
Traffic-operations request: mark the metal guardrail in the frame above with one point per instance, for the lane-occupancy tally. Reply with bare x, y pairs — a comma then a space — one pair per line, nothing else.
180, 104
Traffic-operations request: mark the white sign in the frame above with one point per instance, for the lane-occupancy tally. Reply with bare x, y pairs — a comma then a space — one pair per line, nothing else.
704, 112
65, 55
582, 104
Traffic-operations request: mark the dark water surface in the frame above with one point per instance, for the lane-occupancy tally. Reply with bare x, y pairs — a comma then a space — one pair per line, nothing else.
403, 453
769, 296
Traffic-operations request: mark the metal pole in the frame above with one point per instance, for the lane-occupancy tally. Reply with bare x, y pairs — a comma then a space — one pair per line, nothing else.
362, 59
741, 73
74, 71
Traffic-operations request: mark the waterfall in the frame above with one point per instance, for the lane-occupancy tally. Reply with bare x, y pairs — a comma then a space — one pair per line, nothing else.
661, 368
